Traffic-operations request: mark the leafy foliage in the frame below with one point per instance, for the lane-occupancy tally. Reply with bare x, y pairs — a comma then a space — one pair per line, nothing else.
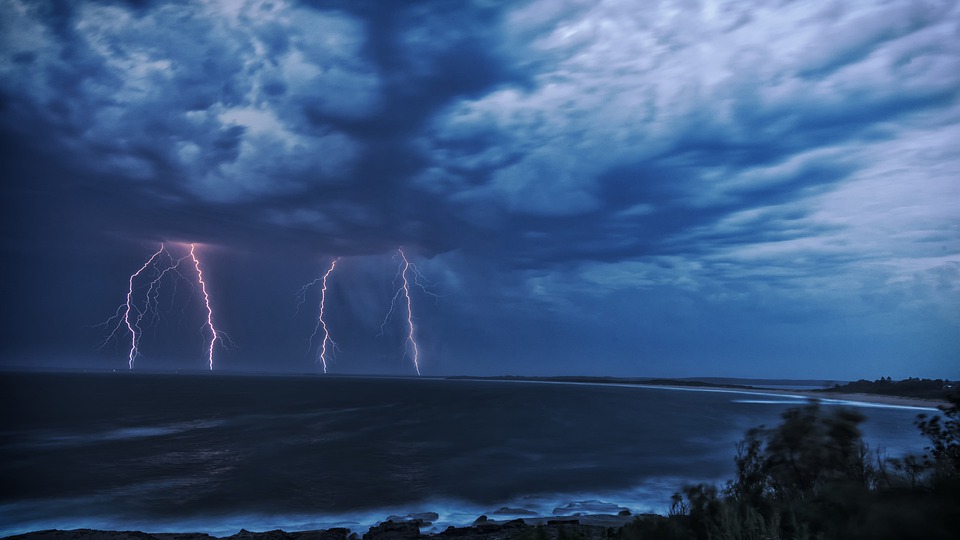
813, 477
944, 438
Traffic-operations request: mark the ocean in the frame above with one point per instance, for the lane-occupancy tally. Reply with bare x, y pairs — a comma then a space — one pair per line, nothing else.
216, 453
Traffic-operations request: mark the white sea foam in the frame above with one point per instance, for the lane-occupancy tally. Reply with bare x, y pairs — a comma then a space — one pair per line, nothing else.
770, 401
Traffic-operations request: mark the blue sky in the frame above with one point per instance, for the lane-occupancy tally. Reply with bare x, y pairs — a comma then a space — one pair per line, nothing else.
604, 188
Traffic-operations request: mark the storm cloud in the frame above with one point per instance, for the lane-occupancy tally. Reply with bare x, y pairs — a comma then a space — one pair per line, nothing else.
672, 188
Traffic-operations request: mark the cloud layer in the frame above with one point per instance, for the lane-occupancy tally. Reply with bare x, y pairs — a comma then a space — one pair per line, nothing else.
785, 161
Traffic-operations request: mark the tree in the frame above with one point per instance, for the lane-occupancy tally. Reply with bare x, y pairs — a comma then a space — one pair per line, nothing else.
812, 476
795, 460
944, 438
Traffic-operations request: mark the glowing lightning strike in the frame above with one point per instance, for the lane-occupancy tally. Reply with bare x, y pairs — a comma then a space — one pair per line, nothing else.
404, 289
206, 298
134, 327
127, 320
153, 289
131, 316
406, 293
321, 323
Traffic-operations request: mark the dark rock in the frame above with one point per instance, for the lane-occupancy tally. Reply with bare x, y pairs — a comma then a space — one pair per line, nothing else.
488, 526
407, 529
623, 512
92, 534
275, 534
336, 533
392, 530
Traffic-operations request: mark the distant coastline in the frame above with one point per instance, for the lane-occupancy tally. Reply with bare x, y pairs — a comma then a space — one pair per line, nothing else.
824, 390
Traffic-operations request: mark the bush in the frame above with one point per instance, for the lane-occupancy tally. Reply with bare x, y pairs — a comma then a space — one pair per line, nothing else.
795, 461
812, 477
788, 480
944, 437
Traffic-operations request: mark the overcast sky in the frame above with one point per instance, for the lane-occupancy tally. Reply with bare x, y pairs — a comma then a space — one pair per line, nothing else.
762, 188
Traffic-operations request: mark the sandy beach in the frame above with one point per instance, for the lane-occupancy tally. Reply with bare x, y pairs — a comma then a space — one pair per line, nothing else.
876, 399
666, 384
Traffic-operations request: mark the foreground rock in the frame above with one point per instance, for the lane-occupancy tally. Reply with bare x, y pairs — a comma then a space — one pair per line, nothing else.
90, 534
591, 527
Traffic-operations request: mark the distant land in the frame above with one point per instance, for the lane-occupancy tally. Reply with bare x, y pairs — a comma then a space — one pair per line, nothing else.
700, 382
927, 389
912, 388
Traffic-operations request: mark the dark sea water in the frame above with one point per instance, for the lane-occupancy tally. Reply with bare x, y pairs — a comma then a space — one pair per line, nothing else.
214, 453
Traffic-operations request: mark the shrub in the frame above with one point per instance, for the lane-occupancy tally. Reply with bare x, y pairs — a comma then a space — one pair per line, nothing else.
944, 442
812, 476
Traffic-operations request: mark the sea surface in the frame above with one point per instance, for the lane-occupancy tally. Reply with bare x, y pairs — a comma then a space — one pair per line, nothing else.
216, 453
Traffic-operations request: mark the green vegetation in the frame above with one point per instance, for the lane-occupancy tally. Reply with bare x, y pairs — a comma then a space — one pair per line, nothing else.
813, 477
912, 387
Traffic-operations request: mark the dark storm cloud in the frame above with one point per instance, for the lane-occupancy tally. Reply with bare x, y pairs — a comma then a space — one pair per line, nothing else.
296, 117
302, 117
680, 162
553, 153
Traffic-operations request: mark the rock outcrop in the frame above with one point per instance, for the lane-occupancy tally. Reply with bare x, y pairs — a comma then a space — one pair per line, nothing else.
590, 527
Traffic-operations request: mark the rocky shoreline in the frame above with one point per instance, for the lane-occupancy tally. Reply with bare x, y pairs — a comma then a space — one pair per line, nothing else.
581, 527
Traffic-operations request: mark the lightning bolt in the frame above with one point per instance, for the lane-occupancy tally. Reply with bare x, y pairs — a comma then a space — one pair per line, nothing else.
214, 336
321, 322
404, 290
133, 327
130, 317
406, 294
153, 289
